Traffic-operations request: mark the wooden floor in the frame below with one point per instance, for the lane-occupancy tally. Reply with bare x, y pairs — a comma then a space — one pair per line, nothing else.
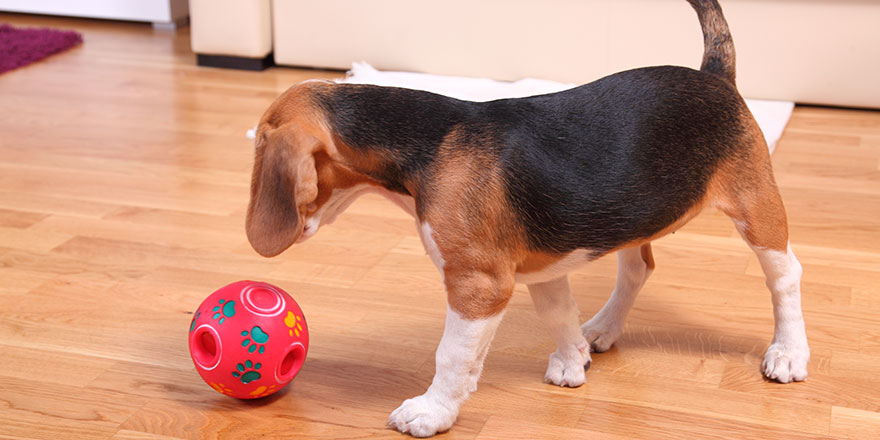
124, 173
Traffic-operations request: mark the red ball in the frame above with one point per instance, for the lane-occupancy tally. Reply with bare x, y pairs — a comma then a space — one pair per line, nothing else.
248, 339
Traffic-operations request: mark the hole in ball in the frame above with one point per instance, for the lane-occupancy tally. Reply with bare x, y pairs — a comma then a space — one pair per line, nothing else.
205, 348
292, 362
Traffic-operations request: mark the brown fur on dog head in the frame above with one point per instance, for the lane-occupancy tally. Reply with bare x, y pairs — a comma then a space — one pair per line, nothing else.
296, 169
283, 186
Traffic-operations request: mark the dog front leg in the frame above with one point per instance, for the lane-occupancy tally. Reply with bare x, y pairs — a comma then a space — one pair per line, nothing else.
459, 363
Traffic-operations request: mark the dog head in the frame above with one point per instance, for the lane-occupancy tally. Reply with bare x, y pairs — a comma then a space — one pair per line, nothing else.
284, 188
299, 181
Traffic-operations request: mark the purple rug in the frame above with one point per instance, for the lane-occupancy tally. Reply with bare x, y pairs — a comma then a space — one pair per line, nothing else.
20, 47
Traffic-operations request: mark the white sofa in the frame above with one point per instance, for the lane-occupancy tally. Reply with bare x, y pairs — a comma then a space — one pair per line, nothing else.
807, 51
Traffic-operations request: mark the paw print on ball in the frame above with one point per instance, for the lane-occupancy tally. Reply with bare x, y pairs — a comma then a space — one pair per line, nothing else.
247, 372
226, 309
263, 391
255, 339
294, 322
222, 389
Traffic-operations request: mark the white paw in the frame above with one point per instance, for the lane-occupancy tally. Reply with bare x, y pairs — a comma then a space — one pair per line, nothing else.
786, 364
422, 416
600, 335
568, 371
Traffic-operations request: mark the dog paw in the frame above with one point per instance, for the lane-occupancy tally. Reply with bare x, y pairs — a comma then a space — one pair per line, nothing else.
422, 416
600, 335
786, 363
567, 371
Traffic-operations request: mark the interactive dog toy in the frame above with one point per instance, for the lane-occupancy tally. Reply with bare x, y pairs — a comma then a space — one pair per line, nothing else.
248, 339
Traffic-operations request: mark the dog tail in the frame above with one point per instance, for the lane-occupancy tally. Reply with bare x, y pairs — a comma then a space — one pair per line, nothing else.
719, 56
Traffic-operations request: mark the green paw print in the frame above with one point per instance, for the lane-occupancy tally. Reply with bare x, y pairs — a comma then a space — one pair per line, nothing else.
192, 325
257, 338
224, 311
247, 372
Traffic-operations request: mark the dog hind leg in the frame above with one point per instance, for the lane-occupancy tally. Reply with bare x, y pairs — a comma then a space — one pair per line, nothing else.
634, 265
557, 308
787, 357
759, 216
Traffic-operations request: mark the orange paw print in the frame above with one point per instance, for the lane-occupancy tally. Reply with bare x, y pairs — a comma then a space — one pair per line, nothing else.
221, 388
294, 322
262, 391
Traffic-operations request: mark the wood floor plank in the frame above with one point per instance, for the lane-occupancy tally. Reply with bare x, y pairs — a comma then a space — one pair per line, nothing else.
850, 391
170, 419
61, 368
31, 239
635, 422
19, 219
507, 428
34, 410
854, 424
124, 434
32, 203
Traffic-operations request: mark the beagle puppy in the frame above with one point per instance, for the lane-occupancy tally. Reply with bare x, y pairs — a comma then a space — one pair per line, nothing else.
526, 190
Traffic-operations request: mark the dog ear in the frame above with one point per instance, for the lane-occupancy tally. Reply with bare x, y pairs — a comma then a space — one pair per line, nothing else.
284, 181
